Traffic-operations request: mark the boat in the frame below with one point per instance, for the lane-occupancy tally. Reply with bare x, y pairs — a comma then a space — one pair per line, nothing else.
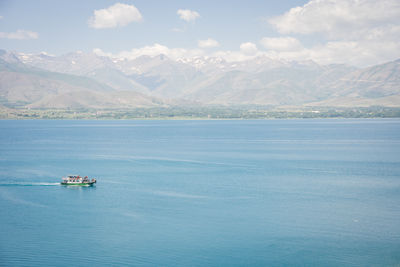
78, 180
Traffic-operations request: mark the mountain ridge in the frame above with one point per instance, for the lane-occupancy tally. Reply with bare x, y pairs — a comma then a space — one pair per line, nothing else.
71, 80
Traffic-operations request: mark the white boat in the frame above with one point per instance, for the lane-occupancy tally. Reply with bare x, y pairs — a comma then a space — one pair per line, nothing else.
78, 180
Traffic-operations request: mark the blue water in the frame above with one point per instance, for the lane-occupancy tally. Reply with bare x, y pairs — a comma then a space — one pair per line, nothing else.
201, 193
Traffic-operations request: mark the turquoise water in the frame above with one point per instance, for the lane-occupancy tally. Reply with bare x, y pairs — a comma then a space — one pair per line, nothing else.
201, 193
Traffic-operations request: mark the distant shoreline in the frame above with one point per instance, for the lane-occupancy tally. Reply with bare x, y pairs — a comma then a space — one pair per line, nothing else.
201, 113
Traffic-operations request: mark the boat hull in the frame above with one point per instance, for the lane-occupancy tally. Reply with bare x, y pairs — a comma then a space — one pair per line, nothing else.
79, 184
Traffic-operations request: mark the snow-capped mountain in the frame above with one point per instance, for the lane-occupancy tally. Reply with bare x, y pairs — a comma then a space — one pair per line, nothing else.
213, 80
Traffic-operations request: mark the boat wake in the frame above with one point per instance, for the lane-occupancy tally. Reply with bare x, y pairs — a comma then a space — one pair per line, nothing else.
29, 184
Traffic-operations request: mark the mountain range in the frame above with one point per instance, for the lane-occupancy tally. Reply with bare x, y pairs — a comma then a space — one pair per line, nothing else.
87, 80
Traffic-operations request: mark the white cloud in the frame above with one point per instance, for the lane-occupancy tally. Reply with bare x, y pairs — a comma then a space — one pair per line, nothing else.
19, 35
355, 53
232, 56
188, 15
248, 48
248, 51
357, 32
281, 43
340, 52
371, 51
101, 53
209, 43
155, 50
117, 15
337, 17
177, 53
1, 17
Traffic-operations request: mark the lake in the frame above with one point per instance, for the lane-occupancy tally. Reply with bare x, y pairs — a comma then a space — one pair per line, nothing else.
201, 193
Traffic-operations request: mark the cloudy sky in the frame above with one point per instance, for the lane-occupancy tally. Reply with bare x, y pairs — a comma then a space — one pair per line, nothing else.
355, 32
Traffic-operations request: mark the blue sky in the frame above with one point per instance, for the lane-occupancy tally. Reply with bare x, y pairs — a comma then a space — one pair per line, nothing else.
354, 32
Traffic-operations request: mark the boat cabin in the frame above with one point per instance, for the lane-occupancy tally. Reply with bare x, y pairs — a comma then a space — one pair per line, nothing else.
76, 179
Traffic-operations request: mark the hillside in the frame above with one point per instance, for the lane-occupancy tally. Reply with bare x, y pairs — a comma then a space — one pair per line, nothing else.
378, 85
87, 80
30, 87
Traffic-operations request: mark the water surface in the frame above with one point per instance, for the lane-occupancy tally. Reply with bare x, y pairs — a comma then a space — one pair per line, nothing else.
201, 193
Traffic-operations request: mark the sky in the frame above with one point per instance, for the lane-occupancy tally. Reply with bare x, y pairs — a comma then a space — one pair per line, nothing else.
354, 32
